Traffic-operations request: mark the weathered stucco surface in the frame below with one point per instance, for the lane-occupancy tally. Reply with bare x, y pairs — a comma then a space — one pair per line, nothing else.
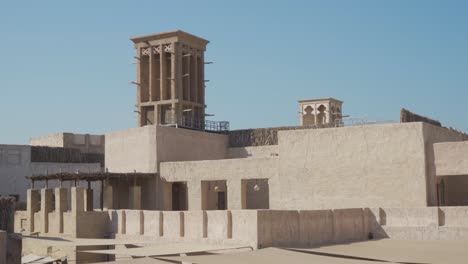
350, 167
142, 148
376, 165
451, 158
131, 150
183, 144
250, 168
368, 166
231, 170
252, 152
265, 228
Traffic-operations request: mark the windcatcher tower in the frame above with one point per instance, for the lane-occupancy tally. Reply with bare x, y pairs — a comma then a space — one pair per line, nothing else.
171, 79
317, 112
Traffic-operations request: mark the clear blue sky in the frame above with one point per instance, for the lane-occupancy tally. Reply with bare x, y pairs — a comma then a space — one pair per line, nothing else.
65, 65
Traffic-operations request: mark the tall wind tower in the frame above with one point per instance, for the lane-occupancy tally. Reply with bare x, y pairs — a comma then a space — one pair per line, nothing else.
171, 79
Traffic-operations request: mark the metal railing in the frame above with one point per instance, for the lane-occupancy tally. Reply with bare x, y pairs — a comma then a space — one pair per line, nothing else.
354, 121
363, 121
197, 124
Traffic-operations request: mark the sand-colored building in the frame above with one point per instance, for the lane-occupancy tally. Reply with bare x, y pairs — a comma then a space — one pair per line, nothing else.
180, 177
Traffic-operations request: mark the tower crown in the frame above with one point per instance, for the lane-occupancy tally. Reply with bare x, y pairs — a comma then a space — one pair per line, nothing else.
170, 78
325, 111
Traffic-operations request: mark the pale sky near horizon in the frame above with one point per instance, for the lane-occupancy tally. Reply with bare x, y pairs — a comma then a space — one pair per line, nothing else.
66, 66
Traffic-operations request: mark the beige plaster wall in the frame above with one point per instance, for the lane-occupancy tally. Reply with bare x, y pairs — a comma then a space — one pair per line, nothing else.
256, 228
173, 224
434, 134
152, 223
424, 216
195, 224
367, 166
451, 158
175, 144
349, 225
428, 223
134, 224
345, 167
245, 226
231, 170
252, 152
131, 150
265, 228
391, 165
92, 224
117, 222
251, 168
278, 228
54, 223
68, 223
219, 224
316, 227
308, 228
142, 148
453, 216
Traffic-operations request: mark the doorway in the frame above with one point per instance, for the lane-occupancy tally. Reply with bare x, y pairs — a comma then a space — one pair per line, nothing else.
221, 201
214, 195
179, 196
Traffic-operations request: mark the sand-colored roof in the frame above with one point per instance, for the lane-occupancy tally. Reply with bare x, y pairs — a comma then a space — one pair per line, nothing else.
163, 249
267, 256
168, 34
319, 100
431, 252
53, 241
368, 252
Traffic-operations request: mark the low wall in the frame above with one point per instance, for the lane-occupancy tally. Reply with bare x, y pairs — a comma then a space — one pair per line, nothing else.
453, 216
410, 216
92, 225
152, 223
429, 223
277, 228
255, 228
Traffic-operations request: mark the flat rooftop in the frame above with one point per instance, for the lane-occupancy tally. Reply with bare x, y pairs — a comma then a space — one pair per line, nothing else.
367, 252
